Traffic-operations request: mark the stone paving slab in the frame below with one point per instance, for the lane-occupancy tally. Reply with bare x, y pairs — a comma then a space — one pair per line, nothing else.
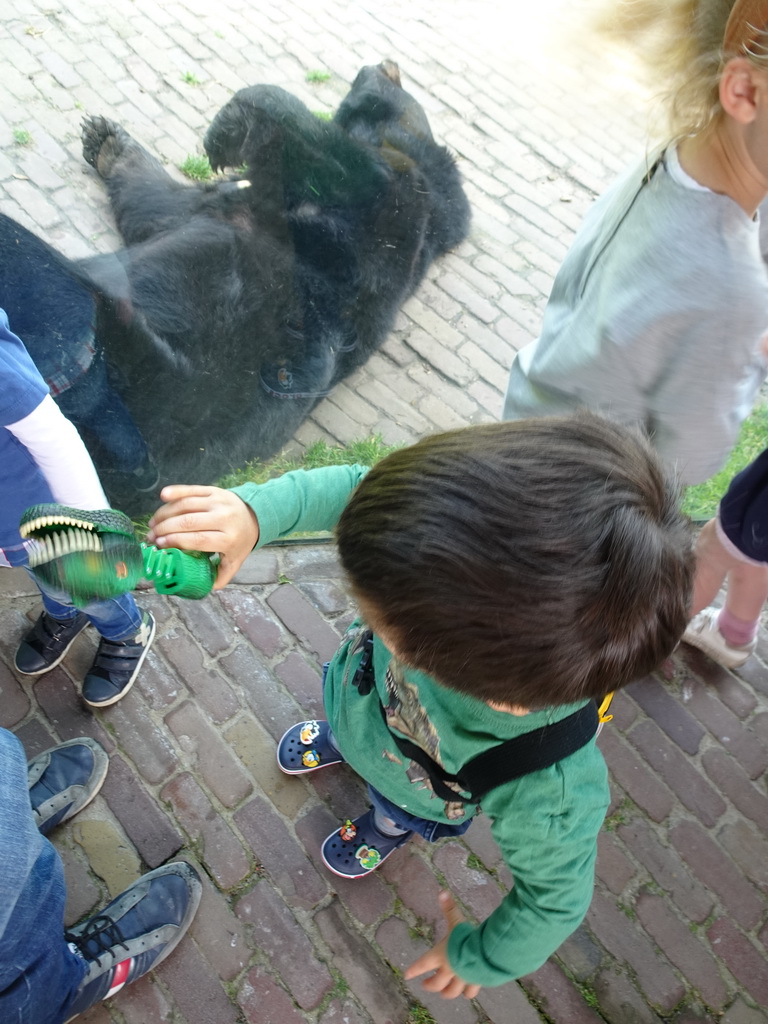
677, 928
540, 118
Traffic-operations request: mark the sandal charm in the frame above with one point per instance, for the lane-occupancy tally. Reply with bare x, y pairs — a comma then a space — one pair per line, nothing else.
369, 857
348, 831
309, 732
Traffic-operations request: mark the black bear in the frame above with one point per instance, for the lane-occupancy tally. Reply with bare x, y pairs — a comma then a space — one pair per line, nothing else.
236, 305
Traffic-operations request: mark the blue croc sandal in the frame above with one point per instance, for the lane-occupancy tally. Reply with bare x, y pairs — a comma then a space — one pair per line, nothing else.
358, 848
306, 748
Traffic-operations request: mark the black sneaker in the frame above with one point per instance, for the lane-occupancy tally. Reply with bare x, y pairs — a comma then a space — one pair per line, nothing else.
46, 643
64, 779
134, 933
116, 665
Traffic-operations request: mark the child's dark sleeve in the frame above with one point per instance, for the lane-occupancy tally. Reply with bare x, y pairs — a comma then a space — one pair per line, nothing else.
302, 501
743, 510
23, 389
546, 827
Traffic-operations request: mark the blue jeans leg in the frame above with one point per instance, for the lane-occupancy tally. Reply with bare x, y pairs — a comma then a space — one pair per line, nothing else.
119, 618
92, 403
429, 830
39, 973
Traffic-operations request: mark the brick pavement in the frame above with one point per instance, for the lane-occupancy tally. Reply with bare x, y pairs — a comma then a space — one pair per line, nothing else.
540, 119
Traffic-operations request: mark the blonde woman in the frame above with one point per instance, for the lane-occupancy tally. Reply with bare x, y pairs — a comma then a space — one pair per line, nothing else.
659, 313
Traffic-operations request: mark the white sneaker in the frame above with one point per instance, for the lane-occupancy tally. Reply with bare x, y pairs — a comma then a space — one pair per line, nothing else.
703, 632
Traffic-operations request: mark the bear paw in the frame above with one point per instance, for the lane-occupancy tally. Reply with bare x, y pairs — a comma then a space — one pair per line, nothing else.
103, 143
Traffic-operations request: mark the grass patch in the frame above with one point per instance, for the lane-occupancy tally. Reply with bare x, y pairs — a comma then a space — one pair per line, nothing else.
700, 502
420, 931
619, 816
198, 168
590, 996
324, 115
628, 911
190, 78
474, 863
21, 136
420, 1015
318, 76
366, 451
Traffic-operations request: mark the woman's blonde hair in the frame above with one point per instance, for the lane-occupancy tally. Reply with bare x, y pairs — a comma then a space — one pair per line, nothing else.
683, 43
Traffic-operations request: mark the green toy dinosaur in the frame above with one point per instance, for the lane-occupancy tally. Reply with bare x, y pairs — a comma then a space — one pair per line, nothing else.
95, 556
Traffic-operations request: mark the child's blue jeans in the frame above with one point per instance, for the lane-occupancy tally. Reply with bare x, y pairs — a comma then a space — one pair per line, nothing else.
39, 974
117, 619
92, 403
429, 830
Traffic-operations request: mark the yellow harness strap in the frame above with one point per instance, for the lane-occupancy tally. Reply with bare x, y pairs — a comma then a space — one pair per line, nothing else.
601, 711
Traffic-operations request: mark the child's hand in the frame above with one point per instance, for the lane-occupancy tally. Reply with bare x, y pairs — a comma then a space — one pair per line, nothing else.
444, 981
206, 519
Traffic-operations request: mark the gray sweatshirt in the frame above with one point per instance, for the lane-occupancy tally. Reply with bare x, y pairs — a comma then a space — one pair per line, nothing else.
656, 318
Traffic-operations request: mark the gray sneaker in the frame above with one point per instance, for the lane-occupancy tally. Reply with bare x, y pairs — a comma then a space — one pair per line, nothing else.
64, 779
134, 933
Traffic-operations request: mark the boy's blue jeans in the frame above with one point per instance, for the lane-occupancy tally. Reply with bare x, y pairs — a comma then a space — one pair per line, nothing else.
39, 974
429, 830
117, 619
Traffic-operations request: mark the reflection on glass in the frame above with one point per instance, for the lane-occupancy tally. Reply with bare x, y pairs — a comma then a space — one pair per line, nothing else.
235, 305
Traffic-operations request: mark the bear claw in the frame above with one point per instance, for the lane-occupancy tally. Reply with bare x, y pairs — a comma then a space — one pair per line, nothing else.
96, 130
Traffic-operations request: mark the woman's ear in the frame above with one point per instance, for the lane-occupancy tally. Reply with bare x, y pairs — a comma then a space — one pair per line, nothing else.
738, 90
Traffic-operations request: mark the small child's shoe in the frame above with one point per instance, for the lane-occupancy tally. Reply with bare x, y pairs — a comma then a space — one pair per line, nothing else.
117, 664
46, 643
358, 848
704, 633
306, 747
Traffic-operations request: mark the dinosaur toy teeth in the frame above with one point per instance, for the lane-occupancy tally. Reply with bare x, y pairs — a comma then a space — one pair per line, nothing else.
45, 522
92, 554
95, 555
55, 545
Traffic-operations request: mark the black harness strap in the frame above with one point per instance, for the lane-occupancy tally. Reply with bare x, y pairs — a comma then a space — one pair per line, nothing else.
531, 752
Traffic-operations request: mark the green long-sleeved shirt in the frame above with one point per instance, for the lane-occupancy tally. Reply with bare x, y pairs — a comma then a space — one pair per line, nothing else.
546, 823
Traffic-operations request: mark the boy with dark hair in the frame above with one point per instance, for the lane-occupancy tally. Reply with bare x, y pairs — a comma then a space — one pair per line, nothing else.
507, 575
